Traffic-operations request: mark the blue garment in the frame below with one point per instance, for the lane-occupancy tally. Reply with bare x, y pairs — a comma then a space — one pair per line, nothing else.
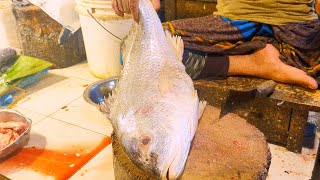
249, 29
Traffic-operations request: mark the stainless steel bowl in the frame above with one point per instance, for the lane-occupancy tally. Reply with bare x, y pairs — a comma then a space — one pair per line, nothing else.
95, 93
22, 140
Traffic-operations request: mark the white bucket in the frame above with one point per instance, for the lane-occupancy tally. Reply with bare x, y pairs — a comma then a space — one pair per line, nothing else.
8, 29
102, 48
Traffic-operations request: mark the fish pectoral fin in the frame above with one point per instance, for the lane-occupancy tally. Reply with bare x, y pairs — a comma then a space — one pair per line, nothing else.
165, 82
177, 44
105, 105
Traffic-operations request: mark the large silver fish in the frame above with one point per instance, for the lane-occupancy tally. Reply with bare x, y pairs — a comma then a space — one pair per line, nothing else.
154, 109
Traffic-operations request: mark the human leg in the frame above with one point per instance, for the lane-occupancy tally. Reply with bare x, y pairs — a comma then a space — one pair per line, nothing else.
266, 64
250, 55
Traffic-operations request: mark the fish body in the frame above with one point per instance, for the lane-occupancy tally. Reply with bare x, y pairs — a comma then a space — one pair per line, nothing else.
154, 108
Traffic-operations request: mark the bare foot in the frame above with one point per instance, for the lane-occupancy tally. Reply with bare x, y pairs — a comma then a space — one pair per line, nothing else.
266, 64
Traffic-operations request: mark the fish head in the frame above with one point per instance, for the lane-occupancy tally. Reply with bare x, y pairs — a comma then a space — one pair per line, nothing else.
161, 149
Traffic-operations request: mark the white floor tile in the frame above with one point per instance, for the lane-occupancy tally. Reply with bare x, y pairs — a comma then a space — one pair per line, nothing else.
291, 166
80, 71
52, 93
33, 116
87, 116
99, 168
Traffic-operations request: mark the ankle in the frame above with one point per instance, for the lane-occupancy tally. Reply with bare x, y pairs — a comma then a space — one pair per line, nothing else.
241, 65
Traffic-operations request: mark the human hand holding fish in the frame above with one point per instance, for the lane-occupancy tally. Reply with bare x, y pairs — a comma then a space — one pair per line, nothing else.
131, 7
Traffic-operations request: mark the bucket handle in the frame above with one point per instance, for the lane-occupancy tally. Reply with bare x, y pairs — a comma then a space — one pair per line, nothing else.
103, 26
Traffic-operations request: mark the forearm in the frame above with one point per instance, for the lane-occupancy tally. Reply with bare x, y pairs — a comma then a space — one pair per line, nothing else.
156, 4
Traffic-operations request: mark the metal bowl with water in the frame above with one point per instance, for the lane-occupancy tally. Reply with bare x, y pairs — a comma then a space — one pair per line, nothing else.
95, 93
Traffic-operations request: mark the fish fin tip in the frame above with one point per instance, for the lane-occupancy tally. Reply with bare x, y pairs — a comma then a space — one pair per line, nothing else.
202, 106
176, 42
106, 104
104, 107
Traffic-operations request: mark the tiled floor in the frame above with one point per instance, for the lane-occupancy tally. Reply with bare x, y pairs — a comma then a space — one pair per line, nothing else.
66, 127
64, 122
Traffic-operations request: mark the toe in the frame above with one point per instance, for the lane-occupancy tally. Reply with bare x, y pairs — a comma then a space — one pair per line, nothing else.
299, 77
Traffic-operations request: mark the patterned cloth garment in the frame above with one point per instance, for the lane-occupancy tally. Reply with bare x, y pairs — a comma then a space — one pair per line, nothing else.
298, 43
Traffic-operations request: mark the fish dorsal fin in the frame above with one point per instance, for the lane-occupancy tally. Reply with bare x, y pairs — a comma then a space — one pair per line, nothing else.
165, 82
177, 44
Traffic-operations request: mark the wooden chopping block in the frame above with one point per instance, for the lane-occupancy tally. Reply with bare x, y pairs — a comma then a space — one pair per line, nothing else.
227, 148
282, 117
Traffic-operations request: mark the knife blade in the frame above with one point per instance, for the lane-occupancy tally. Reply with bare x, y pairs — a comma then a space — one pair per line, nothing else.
237, 98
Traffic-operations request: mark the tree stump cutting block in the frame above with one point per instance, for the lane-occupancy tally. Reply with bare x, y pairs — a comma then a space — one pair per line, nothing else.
39, 34
282, 116
227, 148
